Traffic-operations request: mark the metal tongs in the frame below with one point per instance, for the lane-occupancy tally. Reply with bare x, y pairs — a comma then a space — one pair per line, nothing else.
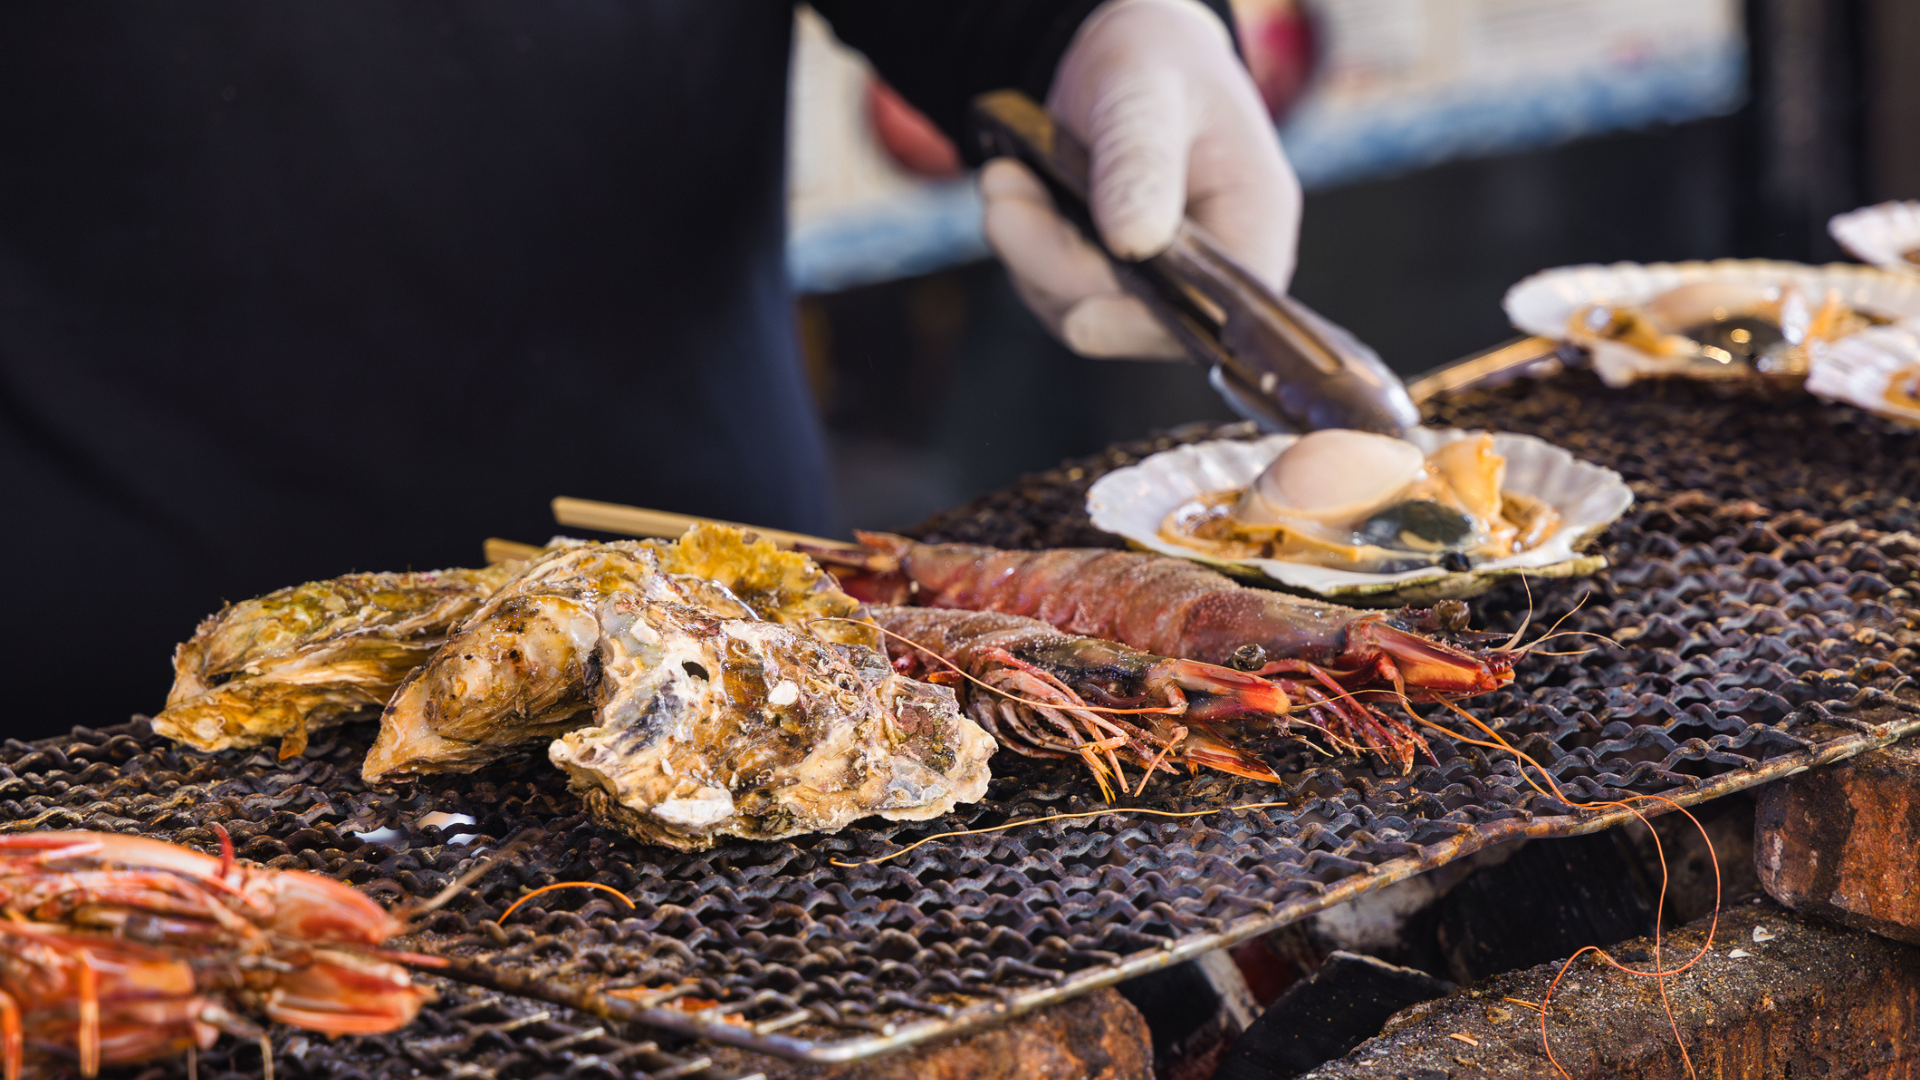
1275, 360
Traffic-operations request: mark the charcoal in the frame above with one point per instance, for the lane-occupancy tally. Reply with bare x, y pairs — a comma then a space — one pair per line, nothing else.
1546, 901
1345, 1002
1195, 1011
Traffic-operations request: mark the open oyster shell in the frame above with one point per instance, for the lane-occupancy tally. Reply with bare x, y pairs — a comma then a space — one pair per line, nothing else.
1134, 501
308, 656
690, 690
1544, 303
519, 669
1886, 235
1874, 370
522, 666
708, 726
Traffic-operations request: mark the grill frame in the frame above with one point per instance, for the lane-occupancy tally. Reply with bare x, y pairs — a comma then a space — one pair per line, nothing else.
1687, 538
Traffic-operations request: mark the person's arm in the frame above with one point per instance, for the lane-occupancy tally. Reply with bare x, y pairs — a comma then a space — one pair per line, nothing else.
1157, 92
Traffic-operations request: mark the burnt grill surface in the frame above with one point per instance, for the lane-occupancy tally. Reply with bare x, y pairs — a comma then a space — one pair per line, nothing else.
1760, 601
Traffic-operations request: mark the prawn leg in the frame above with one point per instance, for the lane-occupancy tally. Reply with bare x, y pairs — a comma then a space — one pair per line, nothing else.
1074, 696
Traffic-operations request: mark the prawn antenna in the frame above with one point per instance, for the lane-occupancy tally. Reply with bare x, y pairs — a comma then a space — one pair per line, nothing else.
1524, 619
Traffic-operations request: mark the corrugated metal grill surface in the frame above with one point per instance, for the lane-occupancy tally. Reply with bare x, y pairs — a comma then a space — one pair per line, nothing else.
1760, 601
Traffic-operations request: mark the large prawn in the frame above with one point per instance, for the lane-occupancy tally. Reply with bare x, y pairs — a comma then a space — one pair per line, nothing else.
118, 949
1338, 660
1047, 693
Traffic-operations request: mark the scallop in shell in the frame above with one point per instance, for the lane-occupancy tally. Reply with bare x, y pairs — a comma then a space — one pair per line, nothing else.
1886, 235
1877, 370
1134, 502
1329, 476
1725, 319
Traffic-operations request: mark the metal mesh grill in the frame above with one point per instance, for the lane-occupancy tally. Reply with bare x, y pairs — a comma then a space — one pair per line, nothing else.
1760, 598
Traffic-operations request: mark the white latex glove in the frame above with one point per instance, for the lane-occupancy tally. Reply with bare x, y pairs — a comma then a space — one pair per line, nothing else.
1175, 127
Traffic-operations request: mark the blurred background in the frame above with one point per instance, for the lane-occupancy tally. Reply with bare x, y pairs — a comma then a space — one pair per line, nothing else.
1448, 149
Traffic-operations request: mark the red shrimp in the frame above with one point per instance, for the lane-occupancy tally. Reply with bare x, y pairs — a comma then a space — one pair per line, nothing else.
1061, 695
121, 949
1174, 607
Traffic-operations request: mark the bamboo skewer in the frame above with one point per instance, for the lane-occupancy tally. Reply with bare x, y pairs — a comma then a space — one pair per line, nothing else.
636, 521
499, 551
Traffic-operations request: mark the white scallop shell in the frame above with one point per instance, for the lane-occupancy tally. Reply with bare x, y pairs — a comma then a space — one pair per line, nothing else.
1859, 368
1881, 235
1132, 502
1543, 303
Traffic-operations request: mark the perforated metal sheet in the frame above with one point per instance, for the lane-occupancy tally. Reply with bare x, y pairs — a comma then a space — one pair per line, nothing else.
1760, 595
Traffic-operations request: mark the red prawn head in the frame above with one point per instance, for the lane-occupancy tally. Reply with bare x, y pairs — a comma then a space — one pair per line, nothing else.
320, 910
894, 570
343, 993
876, 575
1427, 668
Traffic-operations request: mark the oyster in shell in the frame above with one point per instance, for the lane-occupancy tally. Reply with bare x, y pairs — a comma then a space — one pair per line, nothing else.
783, 586
306, 657
523, 666
709, 726
523, 672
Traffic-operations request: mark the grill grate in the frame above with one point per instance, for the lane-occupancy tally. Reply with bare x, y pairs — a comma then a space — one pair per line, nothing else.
1760, 591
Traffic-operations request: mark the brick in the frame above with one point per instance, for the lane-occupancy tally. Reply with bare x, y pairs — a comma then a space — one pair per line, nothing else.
1840, 841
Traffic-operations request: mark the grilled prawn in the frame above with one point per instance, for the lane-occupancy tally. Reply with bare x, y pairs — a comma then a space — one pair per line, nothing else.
1056, 693
122, 949
1173, 607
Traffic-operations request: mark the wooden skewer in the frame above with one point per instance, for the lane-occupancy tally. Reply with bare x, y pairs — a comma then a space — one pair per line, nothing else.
636, 521
499, 551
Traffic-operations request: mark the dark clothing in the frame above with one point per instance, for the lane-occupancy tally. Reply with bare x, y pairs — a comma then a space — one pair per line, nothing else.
295, 288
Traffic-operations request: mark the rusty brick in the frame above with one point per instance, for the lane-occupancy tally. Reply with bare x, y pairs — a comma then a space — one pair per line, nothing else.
1096, 1037
1839, 841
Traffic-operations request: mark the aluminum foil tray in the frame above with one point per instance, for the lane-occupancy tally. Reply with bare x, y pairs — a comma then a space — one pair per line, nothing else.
1761, 615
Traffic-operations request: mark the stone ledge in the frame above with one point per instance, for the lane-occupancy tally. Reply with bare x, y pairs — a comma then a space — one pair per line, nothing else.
1781, 994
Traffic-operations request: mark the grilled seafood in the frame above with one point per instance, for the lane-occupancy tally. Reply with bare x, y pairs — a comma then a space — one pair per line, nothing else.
124, 949
1055, 690
308, 656
1172, 607
523, 666
1354, 500
707, 726
715, 707
1713, 329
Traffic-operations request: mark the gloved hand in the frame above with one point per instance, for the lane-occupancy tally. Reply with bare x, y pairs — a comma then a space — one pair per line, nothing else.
1174, 126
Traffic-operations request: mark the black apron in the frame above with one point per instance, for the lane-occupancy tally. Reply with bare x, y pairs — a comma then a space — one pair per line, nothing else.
295, 288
